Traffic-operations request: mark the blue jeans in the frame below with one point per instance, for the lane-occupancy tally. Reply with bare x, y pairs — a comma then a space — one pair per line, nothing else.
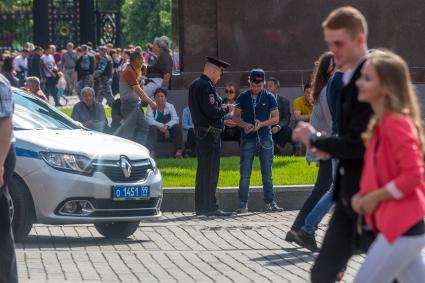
313, 219
322, 185
319, 211
249, 147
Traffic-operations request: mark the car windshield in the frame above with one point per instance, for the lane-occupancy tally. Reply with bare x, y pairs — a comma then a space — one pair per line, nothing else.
33, 114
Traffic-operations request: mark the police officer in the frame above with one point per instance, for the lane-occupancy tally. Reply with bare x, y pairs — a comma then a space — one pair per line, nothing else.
8, 271
103, 77
207, 114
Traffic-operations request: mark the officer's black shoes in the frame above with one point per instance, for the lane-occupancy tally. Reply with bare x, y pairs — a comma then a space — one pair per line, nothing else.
219, 213
290, 236
306, 241
272, 207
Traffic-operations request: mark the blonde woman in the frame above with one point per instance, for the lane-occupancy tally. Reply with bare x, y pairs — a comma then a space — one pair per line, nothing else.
392, 188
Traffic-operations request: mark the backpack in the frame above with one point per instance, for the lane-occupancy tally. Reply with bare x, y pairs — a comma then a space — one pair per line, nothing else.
109, 65
85, 63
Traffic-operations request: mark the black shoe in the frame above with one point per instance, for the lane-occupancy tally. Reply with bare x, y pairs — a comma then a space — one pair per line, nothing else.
272, 207
290, 236
218, 212
306, 241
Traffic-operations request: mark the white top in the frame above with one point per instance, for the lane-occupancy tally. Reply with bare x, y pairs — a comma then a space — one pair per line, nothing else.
20, 63
346, 78
49, 61
168, 109
61, 83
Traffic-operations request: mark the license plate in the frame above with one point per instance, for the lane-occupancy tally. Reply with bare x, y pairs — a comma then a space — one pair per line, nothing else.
130, 192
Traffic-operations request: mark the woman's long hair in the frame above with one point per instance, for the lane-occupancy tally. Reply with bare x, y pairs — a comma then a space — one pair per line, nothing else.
321, 74
394, 75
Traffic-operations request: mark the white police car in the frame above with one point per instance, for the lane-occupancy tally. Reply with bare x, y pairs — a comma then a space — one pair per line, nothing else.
66, 174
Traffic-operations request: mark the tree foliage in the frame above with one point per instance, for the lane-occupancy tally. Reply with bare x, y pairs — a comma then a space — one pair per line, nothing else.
143, 20
13, 5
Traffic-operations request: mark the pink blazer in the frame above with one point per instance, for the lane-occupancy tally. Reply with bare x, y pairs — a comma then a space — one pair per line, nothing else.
393, 159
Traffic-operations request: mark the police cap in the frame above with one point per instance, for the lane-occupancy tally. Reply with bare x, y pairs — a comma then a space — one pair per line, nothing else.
219, 63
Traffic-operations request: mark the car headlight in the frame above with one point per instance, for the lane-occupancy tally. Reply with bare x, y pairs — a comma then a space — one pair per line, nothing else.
153, 164
68, 162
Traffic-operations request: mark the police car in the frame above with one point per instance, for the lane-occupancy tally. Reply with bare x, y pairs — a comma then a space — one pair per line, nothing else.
66, 174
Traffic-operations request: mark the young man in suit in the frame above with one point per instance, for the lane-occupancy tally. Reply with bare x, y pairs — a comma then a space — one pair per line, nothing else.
345, 32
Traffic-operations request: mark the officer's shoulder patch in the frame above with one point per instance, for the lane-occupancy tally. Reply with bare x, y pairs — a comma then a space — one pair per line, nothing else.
212, 98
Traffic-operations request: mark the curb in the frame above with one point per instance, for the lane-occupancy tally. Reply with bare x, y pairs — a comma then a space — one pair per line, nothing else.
288, 197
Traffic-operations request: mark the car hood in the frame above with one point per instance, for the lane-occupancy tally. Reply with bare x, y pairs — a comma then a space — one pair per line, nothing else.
89, 143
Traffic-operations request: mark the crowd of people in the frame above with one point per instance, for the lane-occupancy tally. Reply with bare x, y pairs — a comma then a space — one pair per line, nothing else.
60, 74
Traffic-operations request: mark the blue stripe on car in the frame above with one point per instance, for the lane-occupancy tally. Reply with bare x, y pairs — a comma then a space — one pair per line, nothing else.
26, 153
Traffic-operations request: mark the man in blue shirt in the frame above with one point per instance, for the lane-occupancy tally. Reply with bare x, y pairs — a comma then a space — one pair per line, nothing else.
256, 111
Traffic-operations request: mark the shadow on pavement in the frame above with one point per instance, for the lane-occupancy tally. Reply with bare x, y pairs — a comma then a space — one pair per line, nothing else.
192, 217
291, 256
57, 242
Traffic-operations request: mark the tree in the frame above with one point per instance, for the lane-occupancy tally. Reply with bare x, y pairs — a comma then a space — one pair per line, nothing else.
143, 20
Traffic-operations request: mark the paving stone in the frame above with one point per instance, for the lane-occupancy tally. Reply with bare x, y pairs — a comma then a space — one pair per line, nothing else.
179, 247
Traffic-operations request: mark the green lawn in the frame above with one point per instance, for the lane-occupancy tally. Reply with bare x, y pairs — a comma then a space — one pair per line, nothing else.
286, 171
68, 111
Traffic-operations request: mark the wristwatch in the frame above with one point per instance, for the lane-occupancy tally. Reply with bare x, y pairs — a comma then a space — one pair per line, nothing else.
314, 137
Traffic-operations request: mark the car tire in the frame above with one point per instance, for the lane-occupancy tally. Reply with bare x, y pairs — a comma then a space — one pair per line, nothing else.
118, 230
22, 209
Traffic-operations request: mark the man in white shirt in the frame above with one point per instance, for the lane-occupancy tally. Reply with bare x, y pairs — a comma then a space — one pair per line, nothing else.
50, 72
20, 64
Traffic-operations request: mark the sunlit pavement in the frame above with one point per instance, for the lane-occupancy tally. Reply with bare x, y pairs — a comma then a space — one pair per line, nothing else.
180, 247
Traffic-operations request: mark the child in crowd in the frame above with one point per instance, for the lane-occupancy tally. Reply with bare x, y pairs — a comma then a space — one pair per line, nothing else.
61, 85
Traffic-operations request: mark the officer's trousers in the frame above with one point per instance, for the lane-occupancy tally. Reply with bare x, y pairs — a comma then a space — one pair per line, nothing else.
208, 149
8, 271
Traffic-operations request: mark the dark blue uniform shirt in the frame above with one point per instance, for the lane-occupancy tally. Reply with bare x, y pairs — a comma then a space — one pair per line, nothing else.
259, 108
205, 104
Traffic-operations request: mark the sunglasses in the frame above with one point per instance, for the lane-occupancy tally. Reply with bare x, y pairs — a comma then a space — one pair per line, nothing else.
229, 91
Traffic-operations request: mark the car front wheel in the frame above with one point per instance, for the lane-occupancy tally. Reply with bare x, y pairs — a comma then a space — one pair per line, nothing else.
119, 230
21, 209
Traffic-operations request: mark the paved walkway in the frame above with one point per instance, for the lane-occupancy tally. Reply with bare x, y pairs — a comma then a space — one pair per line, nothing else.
180, 247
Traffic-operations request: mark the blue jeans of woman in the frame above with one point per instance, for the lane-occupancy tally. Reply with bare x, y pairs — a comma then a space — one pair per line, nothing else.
322, 185
249, 148
325, 204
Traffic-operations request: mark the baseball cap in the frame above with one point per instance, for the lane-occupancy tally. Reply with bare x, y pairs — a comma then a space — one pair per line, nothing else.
257, 76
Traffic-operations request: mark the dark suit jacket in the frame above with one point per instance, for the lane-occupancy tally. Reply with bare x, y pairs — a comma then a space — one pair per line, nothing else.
348, 146
284, 111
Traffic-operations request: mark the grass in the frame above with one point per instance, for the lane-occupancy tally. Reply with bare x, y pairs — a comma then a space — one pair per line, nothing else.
286, 171
68, 111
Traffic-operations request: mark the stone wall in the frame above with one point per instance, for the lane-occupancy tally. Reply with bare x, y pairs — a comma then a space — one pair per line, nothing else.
284, 37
